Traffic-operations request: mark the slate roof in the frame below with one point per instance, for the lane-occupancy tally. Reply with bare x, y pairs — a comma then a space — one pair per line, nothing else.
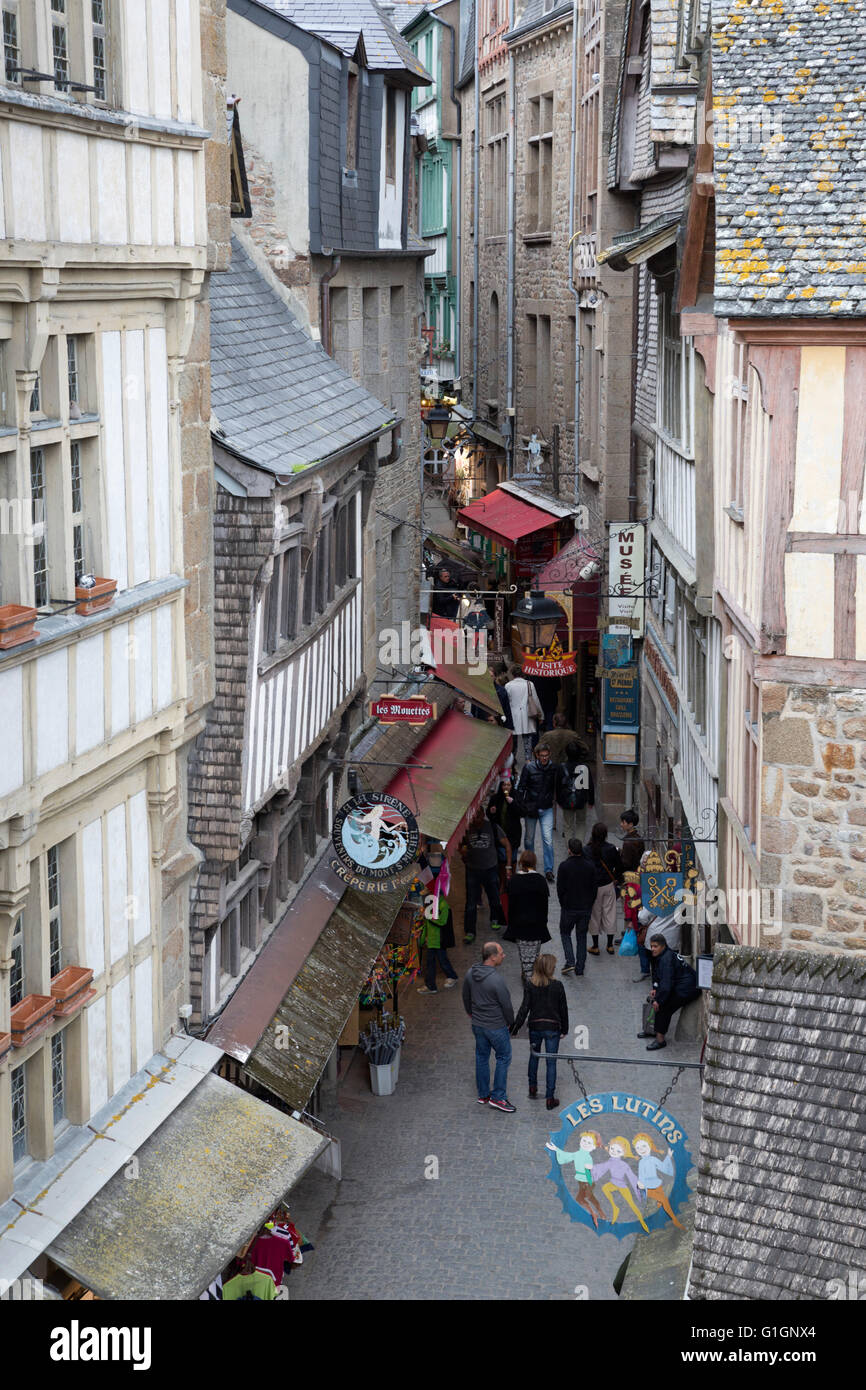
532, 15
341, 21
280, 400
467, 59
780, 1183
790, 158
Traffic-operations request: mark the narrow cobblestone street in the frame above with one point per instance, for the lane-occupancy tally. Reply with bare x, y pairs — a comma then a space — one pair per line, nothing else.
491, 1225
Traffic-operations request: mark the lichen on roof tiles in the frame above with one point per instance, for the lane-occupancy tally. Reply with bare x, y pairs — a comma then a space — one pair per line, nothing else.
789, 97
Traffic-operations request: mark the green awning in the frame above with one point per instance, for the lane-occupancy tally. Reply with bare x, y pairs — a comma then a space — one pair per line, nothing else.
203, 1184
291, 1054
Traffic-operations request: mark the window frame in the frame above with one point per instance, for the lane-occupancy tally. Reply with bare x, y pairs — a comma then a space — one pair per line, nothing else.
390, 117
539, 195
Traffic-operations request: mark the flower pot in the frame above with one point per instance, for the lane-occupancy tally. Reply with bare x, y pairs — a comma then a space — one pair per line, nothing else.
70, 989
5, 1046
16, 625
30, 1017
94, 600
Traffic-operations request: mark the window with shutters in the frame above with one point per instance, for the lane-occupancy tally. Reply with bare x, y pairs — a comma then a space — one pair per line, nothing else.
432, 195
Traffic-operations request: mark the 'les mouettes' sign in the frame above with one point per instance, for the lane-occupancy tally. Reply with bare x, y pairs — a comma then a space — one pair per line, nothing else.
626, 554
398, 709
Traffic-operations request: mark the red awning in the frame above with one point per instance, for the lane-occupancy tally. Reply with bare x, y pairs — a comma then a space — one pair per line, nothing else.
505, 518
476, 686
466, 757
561, 575
564, 569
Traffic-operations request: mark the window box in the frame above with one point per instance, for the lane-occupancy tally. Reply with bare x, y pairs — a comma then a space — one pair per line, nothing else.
31, 1017
70, 989
5, 1046
88, 601
17, 625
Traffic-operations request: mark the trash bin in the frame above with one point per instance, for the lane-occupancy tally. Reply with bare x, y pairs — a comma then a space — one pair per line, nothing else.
383, 1079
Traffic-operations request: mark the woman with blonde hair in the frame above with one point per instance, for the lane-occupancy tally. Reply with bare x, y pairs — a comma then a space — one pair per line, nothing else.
622, 1179
652, 1162
545, 1003
589, 1141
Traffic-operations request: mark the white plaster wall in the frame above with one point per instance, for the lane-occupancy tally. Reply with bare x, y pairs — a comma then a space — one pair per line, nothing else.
52, 711
144, 1039
74, 206
860, 611
137, 482
184, 58
391, 194
273, 79
809, 602
90, 693
119, 656
27, 181
157, 364
139, 875
142, 645
11, 712
94, 898
115, 839
111, 189
163, 194
160, 54
141, 231
97, 1055
164, 657
820, 422
186, 197
121, 1035
136, 57
114, 497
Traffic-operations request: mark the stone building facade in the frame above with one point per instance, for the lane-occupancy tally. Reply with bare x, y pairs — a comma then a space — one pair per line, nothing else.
105, 363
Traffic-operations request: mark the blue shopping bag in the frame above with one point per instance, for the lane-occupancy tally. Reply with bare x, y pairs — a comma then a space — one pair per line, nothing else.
628, 945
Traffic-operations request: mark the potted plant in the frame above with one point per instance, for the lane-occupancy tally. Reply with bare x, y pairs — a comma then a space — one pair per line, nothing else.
5, 1046
70, 990
30, 1017
93, 593
16, 625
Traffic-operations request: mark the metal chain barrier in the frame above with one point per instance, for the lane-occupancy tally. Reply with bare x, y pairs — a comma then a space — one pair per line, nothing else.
677, 1074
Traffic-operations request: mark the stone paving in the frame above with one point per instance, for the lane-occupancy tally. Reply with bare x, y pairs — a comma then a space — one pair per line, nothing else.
490, 1226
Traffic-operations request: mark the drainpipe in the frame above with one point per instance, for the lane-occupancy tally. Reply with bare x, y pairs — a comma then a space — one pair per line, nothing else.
509, 306
325, 303
632, 450
476, 215
457, 109
572, 235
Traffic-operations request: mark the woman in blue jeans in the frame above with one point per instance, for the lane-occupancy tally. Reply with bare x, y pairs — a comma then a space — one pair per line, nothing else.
545, 1004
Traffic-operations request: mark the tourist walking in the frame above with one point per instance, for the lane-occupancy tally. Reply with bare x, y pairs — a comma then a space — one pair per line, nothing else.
606, 861
503, 812
525, 709
479, 853
488, 1004
575, 792
535, 795
631, 854
499, 673
559, 738
576, 889
437, 936
546, 1007
528, 899
674, 984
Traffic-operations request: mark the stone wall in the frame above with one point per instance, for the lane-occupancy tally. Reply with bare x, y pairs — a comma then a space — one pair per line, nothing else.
813, 824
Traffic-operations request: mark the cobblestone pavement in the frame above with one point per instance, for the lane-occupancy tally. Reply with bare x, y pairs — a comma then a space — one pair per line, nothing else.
490, 1226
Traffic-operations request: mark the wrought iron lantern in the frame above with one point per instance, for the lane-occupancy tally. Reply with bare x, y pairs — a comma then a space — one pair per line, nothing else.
536, 618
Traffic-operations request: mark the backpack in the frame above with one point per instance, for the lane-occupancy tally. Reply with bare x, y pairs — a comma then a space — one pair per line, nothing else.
573, 794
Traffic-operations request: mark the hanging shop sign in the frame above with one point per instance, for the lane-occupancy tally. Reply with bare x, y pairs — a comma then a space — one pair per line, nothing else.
549, 661
665, 881
376, 840
616, 650
398, 709
620, 716
626, 557
619, 1164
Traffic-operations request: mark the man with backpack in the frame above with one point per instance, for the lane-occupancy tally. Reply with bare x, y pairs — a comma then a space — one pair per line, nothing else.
674, 984
535, 795
575, 792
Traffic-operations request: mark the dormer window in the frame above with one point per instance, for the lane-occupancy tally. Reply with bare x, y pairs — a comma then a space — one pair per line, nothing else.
352, 112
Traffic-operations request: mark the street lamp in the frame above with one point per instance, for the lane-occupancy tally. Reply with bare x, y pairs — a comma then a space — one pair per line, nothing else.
437, 420
536, 618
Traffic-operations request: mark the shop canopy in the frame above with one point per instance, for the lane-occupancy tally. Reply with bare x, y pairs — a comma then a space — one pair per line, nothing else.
465, 758
561, 575
474, 685
292, 1052
461, 553
204, 1183
504, 518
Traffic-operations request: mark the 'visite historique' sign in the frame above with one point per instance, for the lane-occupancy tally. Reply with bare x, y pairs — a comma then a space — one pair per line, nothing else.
619, 1164
376, 840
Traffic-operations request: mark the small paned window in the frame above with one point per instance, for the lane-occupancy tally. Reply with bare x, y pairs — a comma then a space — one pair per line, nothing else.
58, 1078
19, 1114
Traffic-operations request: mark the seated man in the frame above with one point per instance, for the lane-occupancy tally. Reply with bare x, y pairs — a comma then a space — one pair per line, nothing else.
675, 984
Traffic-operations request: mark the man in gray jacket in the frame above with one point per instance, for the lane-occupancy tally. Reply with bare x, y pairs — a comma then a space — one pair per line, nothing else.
488, 1004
